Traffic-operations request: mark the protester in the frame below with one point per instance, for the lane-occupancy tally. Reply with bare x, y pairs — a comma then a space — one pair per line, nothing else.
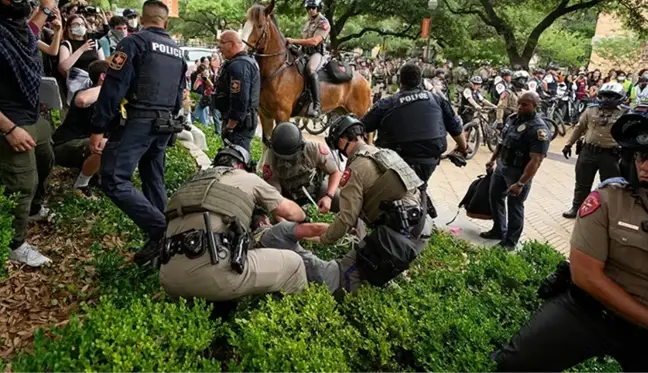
118, 31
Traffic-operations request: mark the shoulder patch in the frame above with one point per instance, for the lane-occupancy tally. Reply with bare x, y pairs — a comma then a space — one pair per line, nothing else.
591, 204
504, 95
325, 24
614, 181
118, 60
267, 172
323, 149
345, 177
542, 134
235, 87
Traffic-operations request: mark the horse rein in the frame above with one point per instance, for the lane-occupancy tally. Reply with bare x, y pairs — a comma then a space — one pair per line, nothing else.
254, 53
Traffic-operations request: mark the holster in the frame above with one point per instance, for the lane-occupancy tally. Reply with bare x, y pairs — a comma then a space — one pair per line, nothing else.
579, 146
398, 217
241, 244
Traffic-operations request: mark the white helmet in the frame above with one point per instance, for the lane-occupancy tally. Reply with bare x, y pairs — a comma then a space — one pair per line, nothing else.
612, 90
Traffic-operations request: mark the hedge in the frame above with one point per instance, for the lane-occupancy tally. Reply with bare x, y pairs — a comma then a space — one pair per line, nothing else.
455, 305
7, 205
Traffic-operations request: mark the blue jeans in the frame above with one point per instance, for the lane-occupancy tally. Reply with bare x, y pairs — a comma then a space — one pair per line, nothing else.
217, 122
502, 178
201, 113
129, 147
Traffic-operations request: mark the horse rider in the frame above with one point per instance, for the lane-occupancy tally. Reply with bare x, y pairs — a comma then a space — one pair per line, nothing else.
382, 190
596, 304
314, 35
472, 100
238, 91
600, 152
508, 101
206, 255
302, 170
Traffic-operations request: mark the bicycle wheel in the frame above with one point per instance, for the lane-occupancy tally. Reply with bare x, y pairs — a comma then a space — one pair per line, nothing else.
492, 139
473, 137
558, 119
553, 127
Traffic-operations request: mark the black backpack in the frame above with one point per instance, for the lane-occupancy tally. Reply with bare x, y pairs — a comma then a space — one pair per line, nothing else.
477, 199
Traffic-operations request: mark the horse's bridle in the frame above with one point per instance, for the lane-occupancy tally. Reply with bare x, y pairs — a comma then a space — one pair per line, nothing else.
255, 47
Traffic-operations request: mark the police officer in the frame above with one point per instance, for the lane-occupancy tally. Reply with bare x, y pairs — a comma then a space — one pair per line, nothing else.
525, 141
314, 35
439, 84
501, 83
415, 123
135, 73
599, 306
379, 80
192, 267
600, 152
508, 101
238, 91
472, 100
459, 79
302, 170
382, 190
535, 83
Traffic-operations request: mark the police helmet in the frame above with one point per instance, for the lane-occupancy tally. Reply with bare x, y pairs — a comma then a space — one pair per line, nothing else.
286, 140
476, 79
613, 91
313, 4
235, 151
520, 78
338, 127
505, 72
631, 132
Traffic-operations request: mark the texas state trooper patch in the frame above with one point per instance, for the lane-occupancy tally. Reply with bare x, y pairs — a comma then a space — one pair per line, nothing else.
236, 86
118, 60
591, 204
345, 177
267, 172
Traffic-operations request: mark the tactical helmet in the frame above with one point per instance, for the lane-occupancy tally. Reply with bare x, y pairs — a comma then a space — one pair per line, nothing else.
476, 79
517, 67
338, 127
313, 4
235, 151
613, 91
631, 132
505, 72
286, 140
520, 78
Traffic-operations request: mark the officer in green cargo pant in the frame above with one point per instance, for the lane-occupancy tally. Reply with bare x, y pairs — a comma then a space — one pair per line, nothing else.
25, 174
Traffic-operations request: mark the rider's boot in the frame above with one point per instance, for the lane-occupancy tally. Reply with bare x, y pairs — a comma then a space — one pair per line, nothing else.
571, 214
315, 108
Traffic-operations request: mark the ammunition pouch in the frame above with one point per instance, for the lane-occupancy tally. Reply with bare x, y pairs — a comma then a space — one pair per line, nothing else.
557, 282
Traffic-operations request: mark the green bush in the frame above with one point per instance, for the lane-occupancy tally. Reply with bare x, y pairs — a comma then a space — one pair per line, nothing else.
180, 166
146, 336
7, 205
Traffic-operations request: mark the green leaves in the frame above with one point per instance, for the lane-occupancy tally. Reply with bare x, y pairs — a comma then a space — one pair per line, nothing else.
7, 204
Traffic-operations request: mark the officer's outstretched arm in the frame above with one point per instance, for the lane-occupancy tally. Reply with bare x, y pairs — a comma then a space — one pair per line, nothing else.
350, 206
375, 115
309, 230
289, 210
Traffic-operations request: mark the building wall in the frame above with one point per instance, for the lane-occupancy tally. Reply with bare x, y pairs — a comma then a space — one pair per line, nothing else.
609, 25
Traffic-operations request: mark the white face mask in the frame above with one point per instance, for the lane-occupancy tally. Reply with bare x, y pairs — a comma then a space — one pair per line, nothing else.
78, 31
132, 22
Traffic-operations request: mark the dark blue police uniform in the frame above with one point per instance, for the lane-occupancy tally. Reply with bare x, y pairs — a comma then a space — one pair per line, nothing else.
414, 123
520, 138
237, 98
147, 70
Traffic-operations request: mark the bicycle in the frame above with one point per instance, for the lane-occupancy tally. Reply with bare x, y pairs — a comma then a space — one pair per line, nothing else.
552, 110
478, 125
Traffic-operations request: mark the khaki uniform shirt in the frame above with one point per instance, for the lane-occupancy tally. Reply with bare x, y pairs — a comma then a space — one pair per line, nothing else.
507, 104
596, 124
318, 26
359, 177
315, 156
608, 229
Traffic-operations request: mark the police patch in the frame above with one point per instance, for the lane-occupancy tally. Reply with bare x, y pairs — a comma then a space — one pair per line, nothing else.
323, 149
267, 172
118, 60
521, 128
591, 204
325, 25
345, 177
236, 86
542, 134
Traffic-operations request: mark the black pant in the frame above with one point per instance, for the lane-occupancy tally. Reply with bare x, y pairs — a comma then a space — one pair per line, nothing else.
589, 162
424, 170
569, 329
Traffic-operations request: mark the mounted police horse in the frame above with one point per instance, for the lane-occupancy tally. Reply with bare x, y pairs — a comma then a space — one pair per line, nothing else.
283, 93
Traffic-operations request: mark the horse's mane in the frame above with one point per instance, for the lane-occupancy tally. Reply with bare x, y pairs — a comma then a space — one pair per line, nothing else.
256, 14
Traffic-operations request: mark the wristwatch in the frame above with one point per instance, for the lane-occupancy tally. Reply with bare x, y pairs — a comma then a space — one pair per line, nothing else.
48, 12
520, 184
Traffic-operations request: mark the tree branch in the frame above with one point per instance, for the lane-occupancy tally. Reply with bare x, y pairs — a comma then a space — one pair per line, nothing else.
401, 34
468, 11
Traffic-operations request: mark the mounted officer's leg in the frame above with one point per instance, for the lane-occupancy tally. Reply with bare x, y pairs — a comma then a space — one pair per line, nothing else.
314, 64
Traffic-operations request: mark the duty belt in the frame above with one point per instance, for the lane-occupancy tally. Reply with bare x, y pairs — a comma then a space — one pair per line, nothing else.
194, 244
149, 114
599, 149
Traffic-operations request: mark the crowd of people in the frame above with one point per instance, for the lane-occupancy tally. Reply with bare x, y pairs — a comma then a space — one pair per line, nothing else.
215, 238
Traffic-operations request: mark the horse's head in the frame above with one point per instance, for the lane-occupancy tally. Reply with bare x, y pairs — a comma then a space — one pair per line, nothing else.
259, 20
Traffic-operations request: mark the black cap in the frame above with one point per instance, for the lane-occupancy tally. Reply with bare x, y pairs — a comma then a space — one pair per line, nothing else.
631, 131
129, 13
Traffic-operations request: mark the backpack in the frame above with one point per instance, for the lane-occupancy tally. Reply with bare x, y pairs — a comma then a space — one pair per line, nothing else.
477, 199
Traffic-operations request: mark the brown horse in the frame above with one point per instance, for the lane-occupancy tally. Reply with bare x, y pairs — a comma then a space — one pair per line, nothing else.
281, 82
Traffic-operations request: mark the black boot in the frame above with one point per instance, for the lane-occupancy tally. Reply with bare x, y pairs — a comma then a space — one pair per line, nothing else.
571, 214
491, 235
315, 108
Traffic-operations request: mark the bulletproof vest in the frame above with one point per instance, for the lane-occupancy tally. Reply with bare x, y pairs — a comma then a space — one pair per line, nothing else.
222, 97
204, 192
414, 115
158, 75
476, 96
515, 147
294, 175
387, 159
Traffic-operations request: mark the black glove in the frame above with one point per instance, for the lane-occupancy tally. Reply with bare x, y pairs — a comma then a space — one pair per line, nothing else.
567, 151
457, 159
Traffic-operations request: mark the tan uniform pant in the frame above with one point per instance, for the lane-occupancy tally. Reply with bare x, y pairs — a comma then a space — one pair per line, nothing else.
315, 62
266, 270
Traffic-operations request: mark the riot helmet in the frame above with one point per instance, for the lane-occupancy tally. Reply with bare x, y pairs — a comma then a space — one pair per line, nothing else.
631, 132
505, 72
313, 4
337, 130
520, 79
235, 152
611, 95
286, 141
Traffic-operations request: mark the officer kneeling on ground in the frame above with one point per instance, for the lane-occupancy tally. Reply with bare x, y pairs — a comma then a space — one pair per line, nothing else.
205, 254
302, 170
382, 190
601, 307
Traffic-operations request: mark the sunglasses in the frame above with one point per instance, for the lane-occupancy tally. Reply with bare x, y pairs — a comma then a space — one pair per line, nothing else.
311, 7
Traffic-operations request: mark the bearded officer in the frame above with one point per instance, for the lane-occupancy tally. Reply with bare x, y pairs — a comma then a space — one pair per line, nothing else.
293, 164
597, 304
228, 193
600, 152
382, 190
525, 141
314, 35
508, 101
135, 73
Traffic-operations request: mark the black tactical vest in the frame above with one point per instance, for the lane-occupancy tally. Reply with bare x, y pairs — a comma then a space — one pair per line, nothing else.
414, 115
515, 147
158, 75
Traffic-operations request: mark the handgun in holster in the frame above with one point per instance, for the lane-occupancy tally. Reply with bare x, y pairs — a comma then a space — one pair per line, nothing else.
579, 146
241, 243
212, 245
